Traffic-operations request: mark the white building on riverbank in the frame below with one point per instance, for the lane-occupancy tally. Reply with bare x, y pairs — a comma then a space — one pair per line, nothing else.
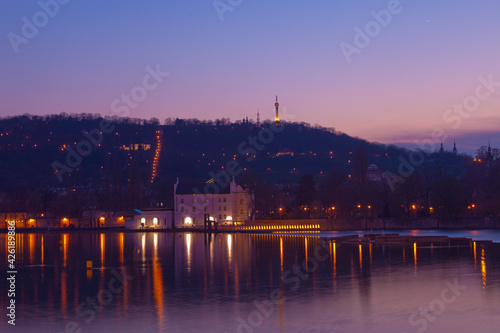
229, 204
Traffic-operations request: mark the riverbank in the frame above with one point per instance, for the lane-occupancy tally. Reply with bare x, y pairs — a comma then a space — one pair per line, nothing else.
262, 226
343, 224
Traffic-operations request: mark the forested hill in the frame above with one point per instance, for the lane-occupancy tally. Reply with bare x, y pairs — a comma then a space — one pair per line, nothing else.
68, 164
31, 147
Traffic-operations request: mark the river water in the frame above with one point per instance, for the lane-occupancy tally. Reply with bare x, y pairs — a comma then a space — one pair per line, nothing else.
192, 282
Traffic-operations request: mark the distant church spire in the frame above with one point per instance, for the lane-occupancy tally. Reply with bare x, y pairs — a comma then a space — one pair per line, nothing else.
258, 118
441, 150
277, 106
454, 147
489, 156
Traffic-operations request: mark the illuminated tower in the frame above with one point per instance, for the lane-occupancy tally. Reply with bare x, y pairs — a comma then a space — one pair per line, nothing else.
277, 106
258, 118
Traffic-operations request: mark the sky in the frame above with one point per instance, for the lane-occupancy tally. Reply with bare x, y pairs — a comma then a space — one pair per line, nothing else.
409, 72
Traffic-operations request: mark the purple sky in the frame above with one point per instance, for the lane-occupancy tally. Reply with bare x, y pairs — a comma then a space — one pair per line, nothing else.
395, 89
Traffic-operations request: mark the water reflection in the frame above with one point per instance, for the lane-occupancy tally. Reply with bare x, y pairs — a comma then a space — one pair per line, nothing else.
122, 243
415, 256
483, 268
32, 240
218, 278
229, 250
281, 254
188, 251
42, 251
360, 256
65, 248
475, 256
158, 284
102, 239
143, 248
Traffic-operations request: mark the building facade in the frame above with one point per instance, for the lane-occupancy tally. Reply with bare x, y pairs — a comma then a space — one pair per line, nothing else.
150, 219
226, 205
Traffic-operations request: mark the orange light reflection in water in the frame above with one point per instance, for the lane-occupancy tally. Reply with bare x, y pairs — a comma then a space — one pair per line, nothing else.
360, 256
281, 254
475, 256
65, 248
42, 250
122, 244
32, 241
415, 254
158, 285
483, 268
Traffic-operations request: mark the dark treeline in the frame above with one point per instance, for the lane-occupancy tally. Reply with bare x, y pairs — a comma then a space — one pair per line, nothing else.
307, 171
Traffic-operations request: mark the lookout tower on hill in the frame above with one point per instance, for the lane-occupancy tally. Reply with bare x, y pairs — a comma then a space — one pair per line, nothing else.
277, 107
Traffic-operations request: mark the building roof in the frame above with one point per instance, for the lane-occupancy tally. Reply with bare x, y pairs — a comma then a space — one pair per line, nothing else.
200, 188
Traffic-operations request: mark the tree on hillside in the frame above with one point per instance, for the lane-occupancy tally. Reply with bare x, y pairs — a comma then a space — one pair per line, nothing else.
449, 197
360, 164
306, 193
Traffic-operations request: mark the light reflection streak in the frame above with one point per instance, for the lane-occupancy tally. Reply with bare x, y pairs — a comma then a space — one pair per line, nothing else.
483, 268
229, 251
475, 256
102, 249
188, 251
415, 255
305, 246
157, 284
65, 248
281, 254
143, 248
42, 251
32, 242
360, 256
371, 256
122, 245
